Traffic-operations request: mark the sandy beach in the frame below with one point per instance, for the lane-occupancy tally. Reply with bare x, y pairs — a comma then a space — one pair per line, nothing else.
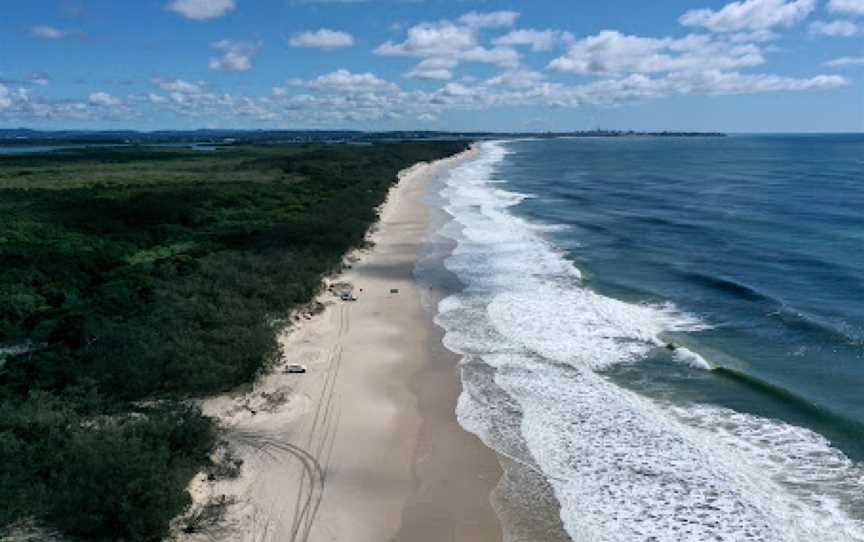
365, 446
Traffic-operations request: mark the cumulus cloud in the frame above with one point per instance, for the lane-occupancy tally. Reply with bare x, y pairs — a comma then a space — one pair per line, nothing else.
433, 69
47, 32
716, 82
611, 52
201, 10
516, 79
538, 40
443, 45
442, 39
39, 78
179, 85
838, 28
345, 81
847, 6
322, 39
846, 61
750, 15
103, 99
236, 55
711, 82
756, 36
493, 19
5, 100
624, 68
500, 56
342, 97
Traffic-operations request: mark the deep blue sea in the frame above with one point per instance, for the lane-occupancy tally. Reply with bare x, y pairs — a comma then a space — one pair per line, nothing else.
665, 335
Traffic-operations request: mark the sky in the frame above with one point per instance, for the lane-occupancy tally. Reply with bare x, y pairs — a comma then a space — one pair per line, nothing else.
461, 65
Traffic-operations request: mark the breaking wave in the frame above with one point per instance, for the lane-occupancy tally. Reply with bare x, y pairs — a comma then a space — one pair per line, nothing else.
622, 466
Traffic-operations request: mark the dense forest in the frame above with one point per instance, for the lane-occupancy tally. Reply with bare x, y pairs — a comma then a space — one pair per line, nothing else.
132, 279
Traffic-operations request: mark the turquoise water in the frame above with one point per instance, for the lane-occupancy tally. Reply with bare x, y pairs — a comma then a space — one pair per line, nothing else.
579, 261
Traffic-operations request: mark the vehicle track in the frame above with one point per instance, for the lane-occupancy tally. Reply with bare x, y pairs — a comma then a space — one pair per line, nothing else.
320, 442
312, 450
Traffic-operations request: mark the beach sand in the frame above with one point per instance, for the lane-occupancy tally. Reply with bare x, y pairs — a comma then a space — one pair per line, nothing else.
365, 446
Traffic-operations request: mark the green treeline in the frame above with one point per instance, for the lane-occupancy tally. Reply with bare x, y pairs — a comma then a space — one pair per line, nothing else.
133, 278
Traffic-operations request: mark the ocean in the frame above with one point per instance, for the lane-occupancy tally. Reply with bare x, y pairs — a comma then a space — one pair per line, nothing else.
662, 338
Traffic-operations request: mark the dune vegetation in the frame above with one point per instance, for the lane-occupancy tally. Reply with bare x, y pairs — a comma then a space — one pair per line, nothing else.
133, 279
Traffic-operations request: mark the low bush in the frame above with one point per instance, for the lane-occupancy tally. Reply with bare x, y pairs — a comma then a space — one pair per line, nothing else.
151, 292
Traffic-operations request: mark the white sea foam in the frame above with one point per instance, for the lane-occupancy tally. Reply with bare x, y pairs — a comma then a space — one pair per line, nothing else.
691, 358
622, 466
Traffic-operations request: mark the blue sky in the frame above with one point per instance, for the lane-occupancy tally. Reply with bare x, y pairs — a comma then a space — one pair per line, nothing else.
744, 66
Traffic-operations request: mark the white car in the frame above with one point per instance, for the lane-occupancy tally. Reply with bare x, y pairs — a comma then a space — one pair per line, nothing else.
295, 368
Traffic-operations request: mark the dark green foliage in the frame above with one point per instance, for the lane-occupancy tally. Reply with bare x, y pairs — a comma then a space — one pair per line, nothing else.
155, 290
98, 475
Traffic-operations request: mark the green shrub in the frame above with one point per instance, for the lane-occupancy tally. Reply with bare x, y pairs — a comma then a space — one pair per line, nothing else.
157, 279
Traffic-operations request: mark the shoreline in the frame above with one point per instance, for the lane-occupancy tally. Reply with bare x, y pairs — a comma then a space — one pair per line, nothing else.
365, 445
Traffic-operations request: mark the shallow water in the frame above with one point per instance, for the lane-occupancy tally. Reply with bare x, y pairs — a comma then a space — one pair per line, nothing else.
579, 260
27, 149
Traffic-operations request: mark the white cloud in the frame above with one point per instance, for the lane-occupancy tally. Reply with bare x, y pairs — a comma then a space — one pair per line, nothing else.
103, 99
442, 39
846, 6
516, 79
322, 39
250, 107
838, 28
846, 61
236, 55
210, 104
433, 68
201, 10
39, 78
435, 74
539, 40
504, 57
750, 15
712, 82
494, 19
348, 82
178, 85
625, 68
611, 52
5, 100
491, 93
458, 90
52, 33
443, 45
756, 36
342, 97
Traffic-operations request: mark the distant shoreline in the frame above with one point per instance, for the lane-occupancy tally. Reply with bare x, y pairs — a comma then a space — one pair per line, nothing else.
29, 138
